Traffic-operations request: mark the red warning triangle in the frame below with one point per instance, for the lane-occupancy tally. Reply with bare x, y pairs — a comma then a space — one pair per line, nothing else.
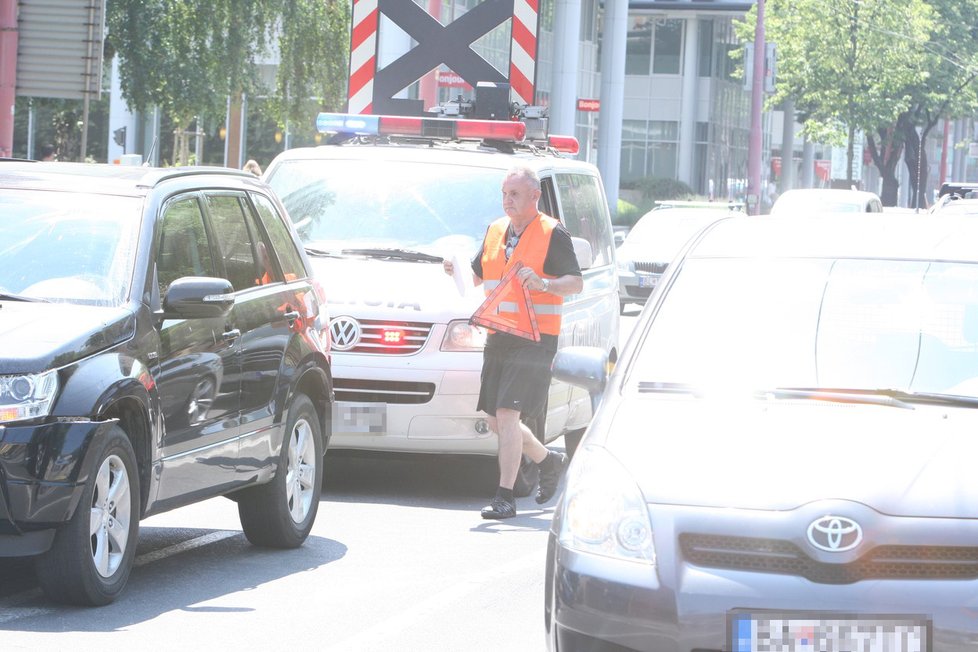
509, 289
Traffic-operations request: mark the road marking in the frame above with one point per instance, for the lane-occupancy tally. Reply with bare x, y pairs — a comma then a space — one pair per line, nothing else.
387, 630
8, 606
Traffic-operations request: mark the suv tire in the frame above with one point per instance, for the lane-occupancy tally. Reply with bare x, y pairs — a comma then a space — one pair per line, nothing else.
91, 557
281, 512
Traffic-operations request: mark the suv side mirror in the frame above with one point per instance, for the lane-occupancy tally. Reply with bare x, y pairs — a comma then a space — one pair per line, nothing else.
582, 249
198, 297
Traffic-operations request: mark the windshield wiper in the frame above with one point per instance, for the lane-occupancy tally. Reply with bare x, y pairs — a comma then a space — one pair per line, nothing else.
9, 296
882, 396
394, 254
313, 251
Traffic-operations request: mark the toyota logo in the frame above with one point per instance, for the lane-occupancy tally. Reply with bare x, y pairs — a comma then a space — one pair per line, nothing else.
835, 533
345, 333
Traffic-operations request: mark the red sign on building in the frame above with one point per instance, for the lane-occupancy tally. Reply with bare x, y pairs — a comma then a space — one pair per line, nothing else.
588, 105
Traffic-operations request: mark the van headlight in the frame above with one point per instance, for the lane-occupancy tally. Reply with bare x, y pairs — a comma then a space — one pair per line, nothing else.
463, 336
28, 396
604, 512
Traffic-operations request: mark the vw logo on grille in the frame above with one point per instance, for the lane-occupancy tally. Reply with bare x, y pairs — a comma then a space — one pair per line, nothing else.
835, 533
345, 332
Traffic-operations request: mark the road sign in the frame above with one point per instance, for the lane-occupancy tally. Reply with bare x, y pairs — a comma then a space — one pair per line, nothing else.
591, 106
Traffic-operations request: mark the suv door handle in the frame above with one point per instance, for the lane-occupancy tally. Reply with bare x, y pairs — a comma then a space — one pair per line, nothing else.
231, 335
291, 315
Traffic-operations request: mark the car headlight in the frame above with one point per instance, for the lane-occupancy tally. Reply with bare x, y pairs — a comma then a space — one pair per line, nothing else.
463, 336
604, 512
28, 396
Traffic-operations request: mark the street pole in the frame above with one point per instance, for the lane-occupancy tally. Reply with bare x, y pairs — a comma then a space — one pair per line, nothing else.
756, 107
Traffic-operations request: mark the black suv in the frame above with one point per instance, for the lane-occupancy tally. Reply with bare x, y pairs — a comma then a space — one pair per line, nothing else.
161, 342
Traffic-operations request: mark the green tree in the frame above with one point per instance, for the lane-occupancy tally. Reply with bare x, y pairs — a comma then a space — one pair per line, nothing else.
189, 56
839, 61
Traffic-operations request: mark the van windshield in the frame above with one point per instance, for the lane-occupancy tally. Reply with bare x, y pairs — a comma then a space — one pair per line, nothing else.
434, 208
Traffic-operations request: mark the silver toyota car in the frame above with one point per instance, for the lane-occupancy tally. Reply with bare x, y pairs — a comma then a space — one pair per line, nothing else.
785, 456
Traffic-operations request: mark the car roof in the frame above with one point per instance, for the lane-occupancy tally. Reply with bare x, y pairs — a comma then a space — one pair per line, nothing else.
692, 204
101, 178
467, 154
871, 235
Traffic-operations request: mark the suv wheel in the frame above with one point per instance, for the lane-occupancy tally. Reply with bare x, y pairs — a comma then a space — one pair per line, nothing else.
280, 513
89, 562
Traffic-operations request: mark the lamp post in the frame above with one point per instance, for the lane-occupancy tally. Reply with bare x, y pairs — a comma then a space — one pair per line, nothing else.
756, 141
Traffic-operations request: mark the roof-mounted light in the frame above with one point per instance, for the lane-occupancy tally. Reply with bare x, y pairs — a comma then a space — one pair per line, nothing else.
444, 128
564, 144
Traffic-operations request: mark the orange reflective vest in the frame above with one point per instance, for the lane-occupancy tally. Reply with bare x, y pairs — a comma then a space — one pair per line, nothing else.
531, 251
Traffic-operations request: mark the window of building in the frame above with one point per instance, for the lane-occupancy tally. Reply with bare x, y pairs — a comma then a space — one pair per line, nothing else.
668, 47
705, 56
649, 149
638, 46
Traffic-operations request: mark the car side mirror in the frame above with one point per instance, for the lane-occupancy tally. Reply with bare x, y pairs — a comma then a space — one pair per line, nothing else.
198, 297
582, 249
583, 366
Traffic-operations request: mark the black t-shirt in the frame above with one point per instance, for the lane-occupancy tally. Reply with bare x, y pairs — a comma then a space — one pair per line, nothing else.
560, 261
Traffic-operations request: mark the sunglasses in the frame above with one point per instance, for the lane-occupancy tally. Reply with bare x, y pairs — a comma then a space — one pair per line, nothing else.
510, 245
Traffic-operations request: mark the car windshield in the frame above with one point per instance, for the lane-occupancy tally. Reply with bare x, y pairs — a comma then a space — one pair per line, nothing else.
432, 208
754, 324
70, 248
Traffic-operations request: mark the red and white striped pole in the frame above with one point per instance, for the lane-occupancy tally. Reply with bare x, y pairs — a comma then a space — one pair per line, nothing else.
523, 51
363, 56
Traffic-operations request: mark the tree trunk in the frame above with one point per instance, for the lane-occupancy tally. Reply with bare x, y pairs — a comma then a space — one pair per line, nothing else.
886, 153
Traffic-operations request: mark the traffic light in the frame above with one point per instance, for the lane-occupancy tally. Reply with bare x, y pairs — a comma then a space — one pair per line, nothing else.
119, 136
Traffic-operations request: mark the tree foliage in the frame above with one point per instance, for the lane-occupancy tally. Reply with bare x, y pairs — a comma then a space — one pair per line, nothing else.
189, 56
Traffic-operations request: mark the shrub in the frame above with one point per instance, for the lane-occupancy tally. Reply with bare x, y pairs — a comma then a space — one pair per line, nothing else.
648, 191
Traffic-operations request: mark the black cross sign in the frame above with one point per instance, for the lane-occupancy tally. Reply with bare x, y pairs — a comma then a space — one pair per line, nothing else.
437, 44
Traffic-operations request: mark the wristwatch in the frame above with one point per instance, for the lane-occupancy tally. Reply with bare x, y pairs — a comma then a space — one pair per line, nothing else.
546, 285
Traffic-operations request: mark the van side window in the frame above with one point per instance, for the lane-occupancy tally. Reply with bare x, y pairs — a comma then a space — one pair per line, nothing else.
585, 214
548, 197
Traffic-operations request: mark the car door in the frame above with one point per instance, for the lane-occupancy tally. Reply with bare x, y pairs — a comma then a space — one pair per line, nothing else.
266, 309
199, 373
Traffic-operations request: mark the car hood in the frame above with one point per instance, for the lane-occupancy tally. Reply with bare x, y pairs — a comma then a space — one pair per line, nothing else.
35, 337
374, 288
779, 455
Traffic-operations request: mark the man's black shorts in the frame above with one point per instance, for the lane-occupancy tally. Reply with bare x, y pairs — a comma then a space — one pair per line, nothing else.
516, 374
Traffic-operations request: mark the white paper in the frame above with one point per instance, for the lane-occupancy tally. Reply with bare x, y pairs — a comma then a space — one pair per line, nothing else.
462, 273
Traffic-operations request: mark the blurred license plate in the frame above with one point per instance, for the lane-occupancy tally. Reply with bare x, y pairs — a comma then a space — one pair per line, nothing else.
766, 631
363, 418
647, 281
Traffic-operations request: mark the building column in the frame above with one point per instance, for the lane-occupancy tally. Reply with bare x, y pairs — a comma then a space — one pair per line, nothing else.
563, 94
614, 35
688, 106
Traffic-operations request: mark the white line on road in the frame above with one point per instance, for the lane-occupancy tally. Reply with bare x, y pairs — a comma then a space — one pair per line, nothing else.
8, 606
387, 630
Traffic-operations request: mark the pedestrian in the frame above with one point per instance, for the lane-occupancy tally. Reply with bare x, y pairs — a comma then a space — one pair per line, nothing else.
516, 370
47, 153
253, 167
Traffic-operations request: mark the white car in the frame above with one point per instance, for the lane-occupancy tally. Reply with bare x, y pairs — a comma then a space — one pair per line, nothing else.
654, 241
815, 201
377, 211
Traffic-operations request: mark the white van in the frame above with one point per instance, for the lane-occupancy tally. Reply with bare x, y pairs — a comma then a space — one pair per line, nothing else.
377, 212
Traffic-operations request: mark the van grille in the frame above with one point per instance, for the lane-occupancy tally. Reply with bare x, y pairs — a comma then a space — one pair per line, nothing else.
785, 558
651, 268
382, 391
372, 337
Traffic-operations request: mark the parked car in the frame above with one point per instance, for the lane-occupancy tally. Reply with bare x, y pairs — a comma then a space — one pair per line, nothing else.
957, 199
163, 343
814, 201
654, 241
783, 456
378, 209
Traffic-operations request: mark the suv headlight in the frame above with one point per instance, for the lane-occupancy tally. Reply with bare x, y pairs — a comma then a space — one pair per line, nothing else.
604, 512
28, 396
463, 336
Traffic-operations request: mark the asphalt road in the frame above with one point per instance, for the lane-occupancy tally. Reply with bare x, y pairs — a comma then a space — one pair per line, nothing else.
399, 559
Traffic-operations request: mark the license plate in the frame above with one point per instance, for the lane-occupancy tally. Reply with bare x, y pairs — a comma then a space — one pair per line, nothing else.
647, 281
361, 418
767, 631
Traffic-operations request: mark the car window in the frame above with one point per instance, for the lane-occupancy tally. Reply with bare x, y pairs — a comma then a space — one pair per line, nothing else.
76, 248
861, 324
282, 242
236, 242
584, 213
183, 248
435, 208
